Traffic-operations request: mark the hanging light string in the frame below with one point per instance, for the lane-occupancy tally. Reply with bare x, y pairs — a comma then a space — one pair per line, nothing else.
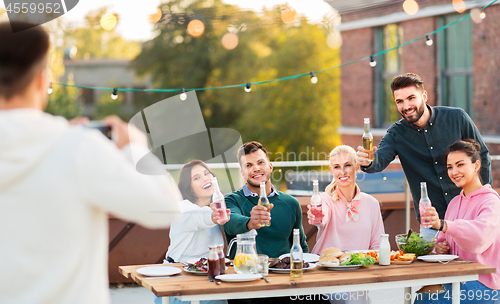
246, 85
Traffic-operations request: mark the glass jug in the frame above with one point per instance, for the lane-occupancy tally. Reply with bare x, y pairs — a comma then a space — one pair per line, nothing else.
246, 259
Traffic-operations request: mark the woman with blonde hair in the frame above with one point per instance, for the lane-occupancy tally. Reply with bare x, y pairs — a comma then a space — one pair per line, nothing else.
351, 218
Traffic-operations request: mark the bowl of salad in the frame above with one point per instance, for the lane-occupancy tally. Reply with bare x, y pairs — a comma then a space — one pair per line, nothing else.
415, 243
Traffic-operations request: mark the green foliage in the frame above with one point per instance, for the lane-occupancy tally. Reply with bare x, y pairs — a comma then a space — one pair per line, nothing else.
92, 41
63, 102
286, 116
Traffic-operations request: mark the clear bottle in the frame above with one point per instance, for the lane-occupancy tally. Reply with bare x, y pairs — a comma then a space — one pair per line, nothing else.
316, 204
296, 256
384, 251
213, 262
368, 140
222, 259
264, 201
424, 204
219, 202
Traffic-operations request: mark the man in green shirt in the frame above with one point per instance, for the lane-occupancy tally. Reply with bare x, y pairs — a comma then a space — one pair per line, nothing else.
246, 214
421, 140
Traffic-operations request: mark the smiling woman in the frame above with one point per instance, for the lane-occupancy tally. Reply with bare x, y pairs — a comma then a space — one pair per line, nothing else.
191, 236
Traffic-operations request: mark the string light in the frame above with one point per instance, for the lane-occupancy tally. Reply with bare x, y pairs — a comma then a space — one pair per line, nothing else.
477, 15
114, 95
156, 16
314, 79
410, 7
248, 87
183, 95
428, 41
108, 22
49, 90
459, 5
373, 63
229, 41
195, 28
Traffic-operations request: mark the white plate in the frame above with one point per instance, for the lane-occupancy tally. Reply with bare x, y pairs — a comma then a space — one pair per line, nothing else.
193, 261
340, 267
158, 271
308, 257
437, 257
279, 270
186, 269
238, 277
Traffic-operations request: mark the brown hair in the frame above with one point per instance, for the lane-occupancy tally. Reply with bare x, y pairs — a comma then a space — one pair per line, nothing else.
407, 80
185, 180
248, 148
470, 147
22, 55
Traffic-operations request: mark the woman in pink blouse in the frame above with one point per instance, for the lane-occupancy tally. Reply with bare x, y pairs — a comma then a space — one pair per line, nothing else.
470, 229
351, 218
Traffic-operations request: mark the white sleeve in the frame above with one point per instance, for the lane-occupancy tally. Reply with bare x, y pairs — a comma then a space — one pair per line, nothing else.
109, 181
195, 218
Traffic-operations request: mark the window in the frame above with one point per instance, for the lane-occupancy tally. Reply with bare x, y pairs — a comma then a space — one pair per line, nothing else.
388, 66
455, 63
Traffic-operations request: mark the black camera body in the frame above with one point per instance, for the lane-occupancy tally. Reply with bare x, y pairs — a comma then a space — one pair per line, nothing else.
101, 126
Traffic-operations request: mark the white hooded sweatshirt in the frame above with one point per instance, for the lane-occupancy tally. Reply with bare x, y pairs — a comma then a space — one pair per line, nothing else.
57, 185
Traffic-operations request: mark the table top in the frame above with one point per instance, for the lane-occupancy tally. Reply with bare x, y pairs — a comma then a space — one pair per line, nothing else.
187, 284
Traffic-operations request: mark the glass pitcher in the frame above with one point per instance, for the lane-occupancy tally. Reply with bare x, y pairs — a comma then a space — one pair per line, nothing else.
246, 259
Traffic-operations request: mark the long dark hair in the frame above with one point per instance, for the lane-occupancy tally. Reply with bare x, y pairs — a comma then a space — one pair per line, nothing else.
471, 148
185, 180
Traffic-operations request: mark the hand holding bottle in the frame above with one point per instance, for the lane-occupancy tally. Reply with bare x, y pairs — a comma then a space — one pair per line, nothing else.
217, 217
431, 218
314, 215
259, 215
362, 156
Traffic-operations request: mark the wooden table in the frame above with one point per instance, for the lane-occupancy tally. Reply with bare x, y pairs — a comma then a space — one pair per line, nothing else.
190, 287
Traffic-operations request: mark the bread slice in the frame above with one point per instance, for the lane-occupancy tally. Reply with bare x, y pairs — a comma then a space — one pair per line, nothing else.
332, 251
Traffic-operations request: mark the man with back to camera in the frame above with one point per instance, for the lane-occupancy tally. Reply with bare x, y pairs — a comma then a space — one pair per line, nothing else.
421, 140
59, 182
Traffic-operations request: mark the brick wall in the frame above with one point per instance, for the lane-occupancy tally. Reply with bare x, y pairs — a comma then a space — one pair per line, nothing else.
357, 79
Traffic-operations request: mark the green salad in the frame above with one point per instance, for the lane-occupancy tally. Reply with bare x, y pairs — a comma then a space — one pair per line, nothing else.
416, 244
357, 259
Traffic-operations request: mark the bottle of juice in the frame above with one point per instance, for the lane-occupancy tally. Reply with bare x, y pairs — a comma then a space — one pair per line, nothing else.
213, 262
316, 204
368, 140
296, 256
219, 202
424, 204
263, 200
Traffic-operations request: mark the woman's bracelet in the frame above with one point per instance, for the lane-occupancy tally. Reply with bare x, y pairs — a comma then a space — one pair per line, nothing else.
442, 226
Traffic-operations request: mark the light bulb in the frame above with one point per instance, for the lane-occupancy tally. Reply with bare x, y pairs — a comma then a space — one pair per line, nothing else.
314, 79
49, 90
114, 95
428, 41
248, 87
373, 63
482, 15
183, 95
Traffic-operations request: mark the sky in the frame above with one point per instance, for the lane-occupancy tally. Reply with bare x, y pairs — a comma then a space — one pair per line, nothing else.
135, 26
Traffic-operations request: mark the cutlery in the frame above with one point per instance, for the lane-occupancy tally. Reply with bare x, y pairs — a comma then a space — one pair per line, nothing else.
216, 281
266, 278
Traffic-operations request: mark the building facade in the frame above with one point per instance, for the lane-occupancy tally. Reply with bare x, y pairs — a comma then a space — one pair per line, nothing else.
460, 68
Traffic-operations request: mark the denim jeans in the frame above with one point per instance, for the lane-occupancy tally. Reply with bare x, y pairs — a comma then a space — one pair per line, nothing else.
470, 292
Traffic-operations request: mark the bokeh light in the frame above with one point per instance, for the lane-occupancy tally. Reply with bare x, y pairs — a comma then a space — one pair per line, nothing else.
108, 21
459, 6
410, 7
288, 15
475, 15
195, 28
156, 16
229, 41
